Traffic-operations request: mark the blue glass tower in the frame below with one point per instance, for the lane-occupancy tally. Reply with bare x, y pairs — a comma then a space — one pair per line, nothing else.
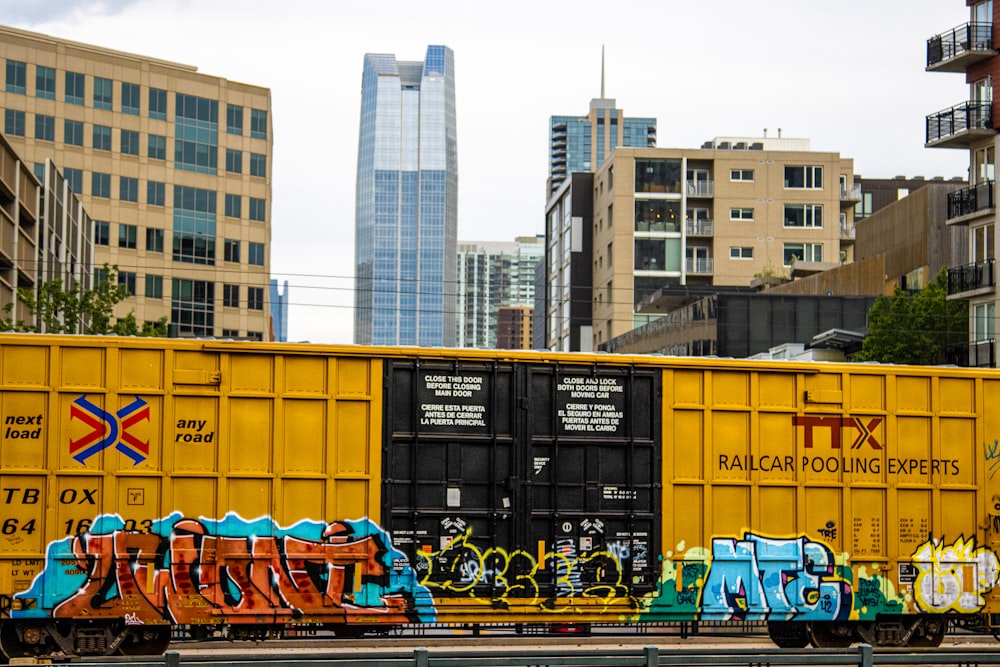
406, 208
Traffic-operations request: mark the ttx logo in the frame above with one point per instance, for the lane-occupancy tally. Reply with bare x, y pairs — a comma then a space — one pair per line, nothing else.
836, 426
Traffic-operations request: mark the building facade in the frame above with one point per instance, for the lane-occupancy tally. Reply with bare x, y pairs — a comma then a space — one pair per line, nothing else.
971, 125
174, 167
722, 215
514, 327
566, 321
45, 234
406, 218
279, 311
581, 143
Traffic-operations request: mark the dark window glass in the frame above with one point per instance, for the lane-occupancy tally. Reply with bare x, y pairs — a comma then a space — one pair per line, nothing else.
255, 298
13, 122
234, 119
154, 287
127, 278
103, 95
157, 104
154, 239
130, 98
45, 127
130, 142
231, 296
196, 142
75, 83
258, 123
157, 147
100, 185
73, 132
258, 211
192, 308
234, 161
102, 138
17, 75
128, 236
75, 179
233, 206
231, 250
128, 189
45, 82
258, 165
155, 193
255, 253
102, 232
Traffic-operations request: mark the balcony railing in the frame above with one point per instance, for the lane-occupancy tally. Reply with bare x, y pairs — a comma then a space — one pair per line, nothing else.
977, 275
975, 198
980, 354
956, 49
951, 127
699, 227
701, 188
852, 193
700, 265
847, 231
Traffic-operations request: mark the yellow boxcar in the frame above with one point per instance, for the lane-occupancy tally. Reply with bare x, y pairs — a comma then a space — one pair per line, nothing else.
247, 488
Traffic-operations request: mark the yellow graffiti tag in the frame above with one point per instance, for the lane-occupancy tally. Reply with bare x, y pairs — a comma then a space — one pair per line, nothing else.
461, 566
953, 577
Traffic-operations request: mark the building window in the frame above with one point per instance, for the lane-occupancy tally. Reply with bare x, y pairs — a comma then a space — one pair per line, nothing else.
255, 335
45, 127
45, 82
39, 169
100, 275
230, 333
157, 147
744, 252
194, 225
255, 253
192, 307
100, 185
103, 95
231, 250
155, 193
745, 175
650, 254
13, 122
258, 210
130, 98
154, 286
231, 296
258, 123
154, 239
233, 206
127, 278
983, 322
196, 141
128, 189
807, 177
234, 119
157, 104
805, 252
258, 165
128, 236
75, 83
102, 138
102, 232
741, 214
255, 298
803, 215
234, 161
75, 179
130, 142
17, 76
73, 132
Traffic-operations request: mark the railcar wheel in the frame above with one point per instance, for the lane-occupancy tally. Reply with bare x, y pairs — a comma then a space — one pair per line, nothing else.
12, 646
831, 635
146, 640
788, 634
930, 634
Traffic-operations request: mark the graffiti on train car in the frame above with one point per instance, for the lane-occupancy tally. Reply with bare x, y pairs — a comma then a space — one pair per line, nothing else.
191, 570
597, 575
953, 577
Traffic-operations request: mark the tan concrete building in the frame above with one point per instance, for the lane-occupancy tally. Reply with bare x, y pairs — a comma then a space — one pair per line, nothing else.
721, 215
174, 166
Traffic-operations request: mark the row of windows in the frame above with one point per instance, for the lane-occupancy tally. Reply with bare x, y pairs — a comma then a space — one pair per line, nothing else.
154, 290
796, 176
791, 252
103, 96
796, 215
73, 135
128, 238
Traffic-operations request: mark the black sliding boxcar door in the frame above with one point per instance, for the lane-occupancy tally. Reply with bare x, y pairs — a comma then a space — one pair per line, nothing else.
594, 490
449, 469
529, 470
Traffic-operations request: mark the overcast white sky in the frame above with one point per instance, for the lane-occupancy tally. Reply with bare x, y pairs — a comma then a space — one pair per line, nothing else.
847, 75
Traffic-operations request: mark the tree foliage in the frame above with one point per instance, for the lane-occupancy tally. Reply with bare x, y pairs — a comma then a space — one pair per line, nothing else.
61, 309
915, 328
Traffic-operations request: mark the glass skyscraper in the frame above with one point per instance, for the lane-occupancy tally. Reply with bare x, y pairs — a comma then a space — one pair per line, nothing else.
406, 218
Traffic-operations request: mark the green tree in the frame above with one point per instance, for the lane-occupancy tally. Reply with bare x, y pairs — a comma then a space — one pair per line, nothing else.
915, 328
60, 309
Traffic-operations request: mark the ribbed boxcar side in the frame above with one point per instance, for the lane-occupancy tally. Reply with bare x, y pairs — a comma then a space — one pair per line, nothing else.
150, 483
839, 503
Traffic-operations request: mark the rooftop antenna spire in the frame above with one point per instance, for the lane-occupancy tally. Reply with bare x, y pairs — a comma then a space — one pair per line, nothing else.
602, 72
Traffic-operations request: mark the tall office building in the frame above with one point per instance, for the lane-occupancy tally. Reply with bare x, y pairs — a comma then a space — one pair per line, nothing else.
493, 275
579, 144
173, 166
406, 217
279, 311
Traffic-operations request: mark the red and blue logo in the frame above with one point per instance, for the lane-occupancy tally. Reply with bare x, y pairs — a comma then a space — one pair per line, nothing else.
109, 429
